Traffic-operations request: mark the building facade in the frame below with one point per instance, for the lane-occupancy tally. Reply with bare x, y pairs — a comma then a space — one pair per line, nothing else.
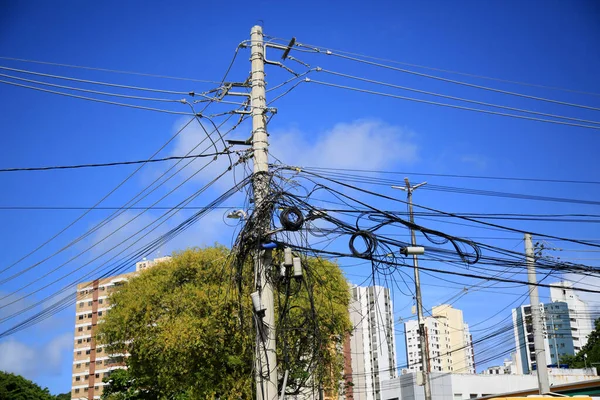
566, 325
372, 343
507, 368
580, 319
91, 363
449, 342
446, 386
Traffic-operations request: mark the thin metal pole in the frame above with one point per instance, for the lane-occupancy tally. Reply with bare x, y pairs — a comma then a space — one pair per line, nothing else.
266, 362
422, 339
285, 377
554, 336
538, 334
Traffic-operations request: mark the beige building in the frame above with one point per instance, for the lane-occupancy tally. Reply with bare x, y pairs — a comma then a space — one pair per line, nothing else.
90, 361
449, 342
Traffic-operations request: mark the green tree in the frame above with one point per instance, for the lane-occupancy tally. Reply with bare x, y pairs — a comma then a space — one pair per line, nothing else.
15, 387
188, 327
591, 350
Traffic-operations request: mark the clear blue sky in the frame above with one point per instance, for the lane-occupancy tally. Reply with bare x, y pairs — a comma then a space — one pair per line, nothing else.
553, 43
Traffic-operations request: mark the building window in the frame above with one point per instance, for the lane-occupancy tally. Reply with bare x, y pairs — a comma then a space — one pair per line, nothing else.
81, 317
80, 329
77, 378
87, 352
101, 301
79, 353
90, 303
79, 341
97, 375
99, 313
78, 366
76, 390
81, 304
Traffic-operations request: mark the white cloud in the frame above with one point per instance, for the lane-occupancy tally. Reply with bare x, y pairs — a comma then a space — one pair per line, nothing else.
188, 141
117, 231
476, 160
364, 144
12, 303
32, 361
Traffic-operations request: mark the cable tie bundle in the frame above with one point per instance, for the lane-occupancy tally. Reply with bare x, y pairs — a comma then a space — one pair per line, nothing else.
370, 243
289, 223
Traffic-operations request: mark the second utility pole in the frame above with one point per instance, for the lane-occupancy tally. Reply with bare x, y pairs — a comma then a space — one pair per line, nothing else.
265, 357
536, 317
422, 338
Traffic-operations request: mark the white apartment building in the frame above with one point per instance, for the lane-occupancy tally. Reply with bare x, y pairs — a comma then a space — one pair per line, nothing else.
566, 324
580, 319
445, 386
91, 363
449, 342
372, 343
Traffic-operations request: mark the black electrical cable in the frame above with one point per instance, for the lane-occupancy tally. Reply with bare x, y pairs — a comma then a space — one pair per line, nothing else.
369, 240
111, 164
291, 219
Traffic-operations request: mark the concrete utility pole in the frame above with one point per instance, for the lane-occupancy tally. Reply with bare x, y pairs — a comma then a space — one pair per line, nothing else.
266, 363
422, 330
538, 331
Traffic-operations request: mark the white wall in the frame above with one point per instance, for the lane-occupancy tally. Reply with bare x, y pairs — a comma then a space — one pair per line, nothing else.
464, 386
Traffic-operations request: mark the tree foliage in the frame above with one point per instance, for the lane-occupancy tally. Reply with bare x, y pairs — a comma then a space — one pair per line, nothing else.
591, 350
16, 387
188, 327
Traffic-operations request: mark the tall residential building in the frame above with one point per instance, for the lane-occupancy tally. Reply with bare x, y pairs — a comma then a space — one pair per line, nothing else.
580, 318
566, 326
372, 344
449, 342
91, 363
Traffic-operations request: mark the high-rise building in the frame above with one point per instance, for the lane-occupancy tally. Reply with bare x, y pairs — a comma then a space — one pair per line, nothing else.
372, 344
566, 325
449, 342
91, 363
580, 319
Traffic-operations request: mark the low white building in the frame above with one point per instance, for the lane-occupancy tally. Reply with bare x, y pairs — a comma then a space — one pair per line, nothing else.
468, 386
507, 368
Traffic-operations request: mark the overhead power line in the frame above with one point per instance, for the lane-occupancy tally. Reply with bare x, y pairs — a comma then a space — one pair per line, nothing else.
473, 220
111, 164
68, 78
126, 96
96, 100
503, 178
439, 78
60, 232
453, 105
109, 70
444, 70
481, 103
